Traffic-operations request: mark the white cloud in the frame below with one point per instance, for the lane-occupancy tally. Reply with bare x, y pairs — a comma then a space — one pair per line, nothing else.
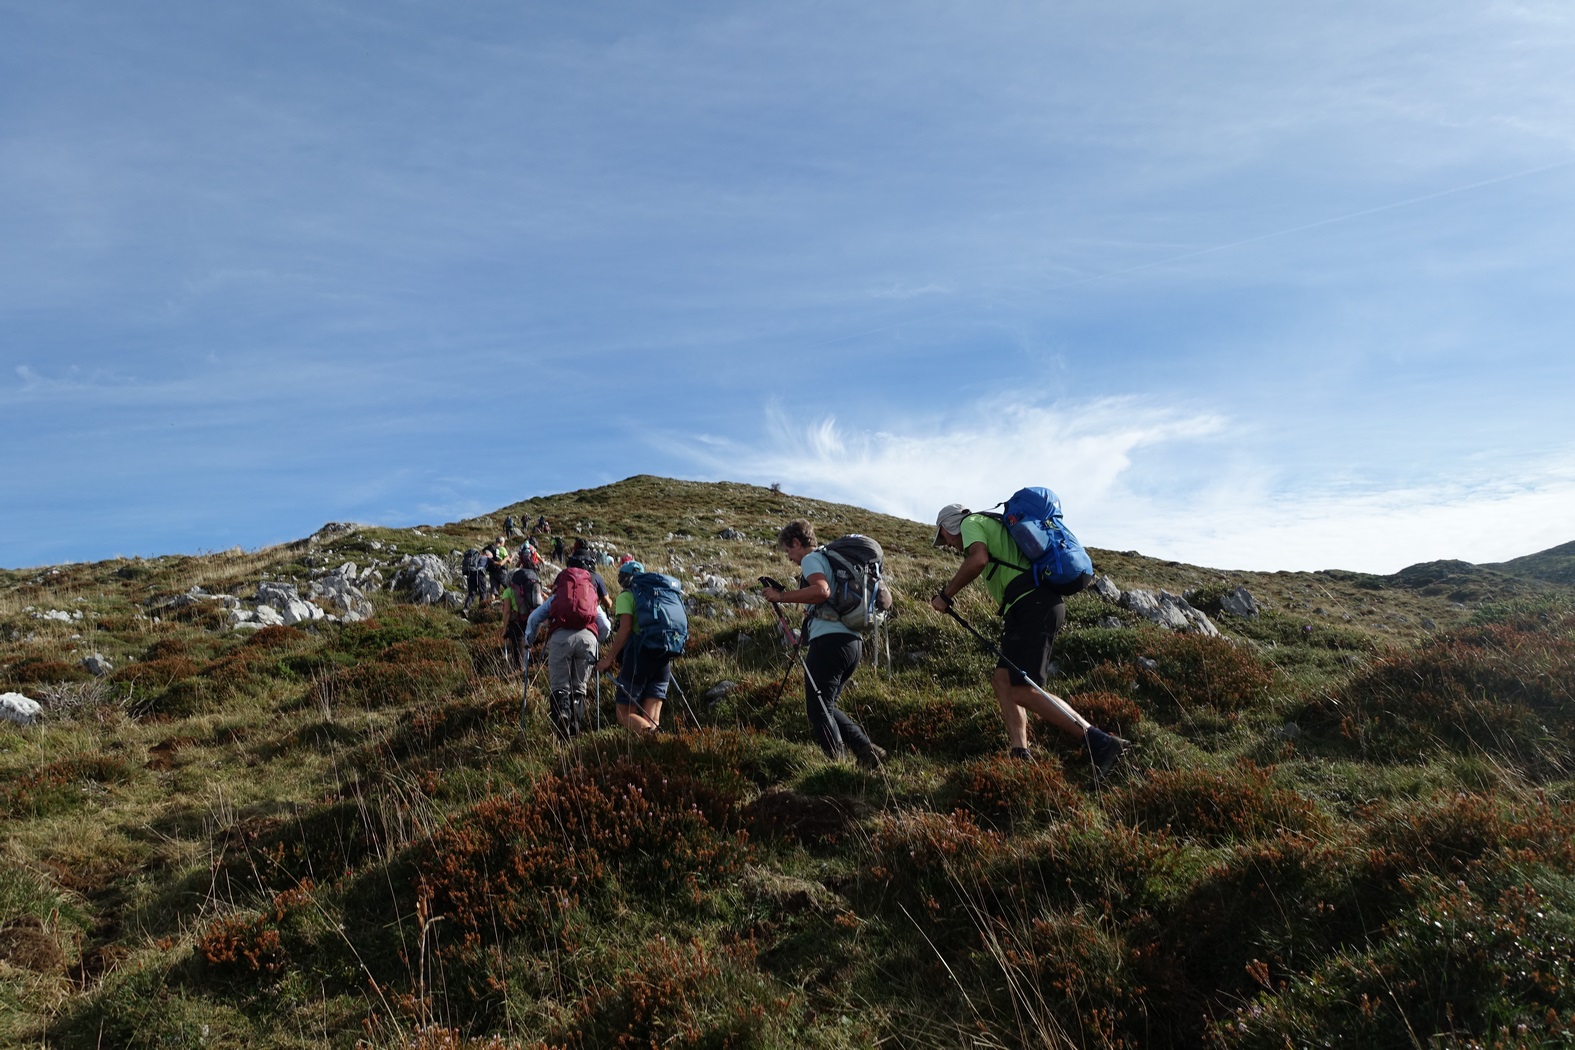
1166, 482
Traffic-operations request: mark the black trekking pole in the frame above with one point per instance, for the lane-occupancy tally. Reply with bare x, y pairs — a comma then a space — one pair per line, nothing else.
833, 732
790, 639
525, 694
1060, 704
692, 719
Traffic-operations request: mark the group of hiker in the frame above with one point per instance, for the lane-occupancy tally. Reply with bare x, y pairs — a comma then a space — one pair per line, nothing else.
1028, 560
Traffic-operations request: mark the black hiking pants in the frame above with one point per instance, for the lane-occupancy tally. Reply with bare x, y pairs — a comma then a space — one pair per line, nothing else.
831, 660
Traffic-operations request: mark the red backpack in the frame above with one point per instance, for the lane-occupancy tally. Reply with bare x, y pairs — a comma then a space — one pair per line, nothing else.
573, 605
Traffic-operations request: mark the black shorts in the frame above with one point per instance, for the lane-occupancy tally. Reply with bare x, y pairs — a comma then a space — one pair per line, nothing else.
1030, 631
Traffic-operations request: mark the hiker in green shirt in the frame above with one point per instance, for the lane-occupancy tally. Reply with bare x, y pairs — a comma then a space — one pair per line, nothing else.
1033, 615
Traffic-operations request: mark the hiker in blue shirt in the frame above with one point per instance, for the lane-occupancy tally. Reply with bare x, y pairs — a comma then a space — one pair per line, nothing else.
832, 654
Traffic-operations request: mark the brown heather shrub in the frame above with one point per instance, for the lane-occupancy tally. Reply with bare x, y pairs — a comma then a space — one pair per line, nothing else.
1506, 690
59, 785
168, 647
43, 670
1002, 791
425, 729
1465, 965
949, 727
1071, 971
251, 949
810, 820
513, 866
277, 636
684, 995
209, 616
1111, 712
1193, 670
1215, 806
436, 1037
1448, 834
727, 758
924, 863
1287, 902
156, 674
320, 843
405, 677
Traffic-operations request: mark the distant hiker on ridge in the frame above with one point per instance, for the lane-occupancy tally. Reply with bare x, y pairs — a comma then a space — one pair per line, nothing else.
1033, 615
520, 598
474, 567
834, 647
497, 565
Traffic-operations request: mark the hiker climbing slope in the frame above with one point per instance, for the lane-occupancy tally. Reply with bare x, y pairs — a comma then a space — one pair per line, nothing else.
520, 599
1033, 615
652, 629
834, 646
577, 625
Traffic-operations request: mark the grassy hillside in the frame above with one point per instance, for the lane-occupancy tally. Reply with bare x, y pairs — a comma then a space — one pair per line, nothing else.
1555, 565
1348, 822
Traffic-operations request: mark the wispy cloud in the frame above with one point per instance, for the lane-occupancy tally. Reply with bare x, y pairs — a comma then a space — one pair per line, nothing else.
1167, 482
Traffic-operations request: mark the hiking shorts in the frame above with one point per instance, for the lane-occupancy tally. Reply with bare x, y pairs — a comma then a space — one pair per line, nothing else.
1029, 635
644, 677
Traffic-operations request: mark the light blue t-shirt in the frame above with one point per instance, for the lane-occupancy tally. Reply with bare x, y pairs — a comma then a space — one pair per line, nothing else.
816, 562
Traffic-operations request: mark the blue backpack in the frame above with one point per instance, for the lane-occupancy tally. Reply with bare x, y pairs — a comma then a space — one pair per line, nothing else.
1055, 557
660, 623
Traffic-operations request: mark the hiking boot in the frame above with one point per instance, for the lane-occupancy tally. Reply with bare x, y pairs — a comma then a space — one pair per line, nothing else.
1022, 754
1104, 750
872, 757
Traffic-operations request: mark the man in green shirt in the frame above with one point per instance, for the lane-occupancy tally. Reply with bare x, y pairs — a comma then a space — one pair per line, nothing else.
1033, 615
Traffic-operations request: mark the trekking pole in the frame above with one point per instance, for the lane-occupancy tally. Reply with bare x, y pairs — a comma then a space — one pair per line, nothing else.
1061, 705
525, 693
793, 642
833, 732
692, 719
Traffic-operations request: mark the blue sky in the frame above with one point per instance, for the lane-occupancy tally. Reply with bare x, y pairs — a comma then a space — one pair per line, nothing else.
1251, 288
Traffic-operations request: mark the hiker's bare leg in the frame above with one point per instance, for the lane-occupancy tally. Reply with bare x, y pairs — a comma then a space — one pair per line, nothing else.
633, 718
1016, 701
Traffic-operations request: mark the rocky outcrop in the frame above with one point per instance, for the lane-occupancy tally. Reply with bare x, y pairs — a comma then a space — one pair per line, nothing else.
1239, 602
345, 589
424, 579
1166, 609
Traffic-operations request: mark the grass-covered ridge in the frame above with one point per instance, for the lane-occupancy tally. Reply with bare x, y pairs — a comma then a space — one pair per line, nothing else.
1349, 822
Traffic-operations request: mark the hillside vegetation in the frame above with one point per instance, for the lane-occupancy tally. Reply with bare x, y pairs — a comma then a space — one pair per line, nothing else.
1348, 821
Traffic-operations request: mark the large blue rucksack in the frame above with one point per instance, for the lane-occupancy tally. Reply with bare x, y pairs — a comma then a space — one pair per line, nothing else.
660, 624
1055, 557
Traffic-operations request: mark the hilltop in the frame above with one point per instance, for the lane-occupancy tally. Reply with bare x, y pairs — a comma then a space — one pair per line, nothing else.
1347, 819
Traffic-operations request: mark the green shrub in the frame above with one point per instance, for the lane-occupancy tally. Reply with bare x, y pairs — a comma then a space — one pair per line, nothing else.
952, 727
685, 995
1499, 689
1002, 792
1187, 672
1215, 806
1465, 965
60, 785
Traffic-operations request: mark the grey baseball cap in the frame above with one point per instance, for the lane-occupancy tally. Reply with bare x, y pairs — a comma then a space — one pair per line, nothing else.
950, 520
